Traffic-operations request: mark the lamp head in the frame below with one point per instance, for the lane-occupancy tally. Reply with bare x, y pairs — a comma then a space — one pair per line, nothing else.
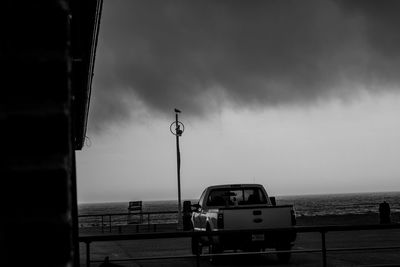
177, 110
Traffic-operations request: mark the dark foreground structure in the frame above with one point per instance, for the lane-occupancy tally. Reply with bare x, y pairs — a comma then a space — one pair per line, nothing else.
47, 53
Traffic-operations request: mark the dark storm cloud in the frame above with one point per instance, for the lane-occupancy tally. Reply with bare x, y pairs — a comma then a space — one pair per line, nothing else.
382, 23
199, 55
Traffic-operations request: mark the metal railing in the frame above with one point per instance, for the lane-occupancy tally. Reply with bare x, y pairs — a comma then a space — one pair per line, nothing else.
106, 218
299, 229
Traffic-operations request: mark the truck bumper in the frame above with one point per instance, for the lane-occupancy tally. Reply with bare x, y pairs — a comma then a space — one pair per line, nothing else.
257, 241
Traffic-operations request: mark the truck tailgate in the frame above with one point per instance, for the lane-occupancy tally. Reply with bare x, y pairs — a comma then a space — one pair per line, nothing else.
257, 217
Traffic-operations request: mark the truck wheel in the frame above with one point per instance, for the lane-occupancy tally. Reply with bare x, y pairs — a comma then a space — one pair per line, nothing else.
283, 256
212, 247
196, 247
215, 249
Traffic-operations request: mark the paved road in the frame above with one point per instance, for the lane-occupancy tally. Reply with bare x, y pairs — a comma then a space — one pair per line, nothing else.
181, 246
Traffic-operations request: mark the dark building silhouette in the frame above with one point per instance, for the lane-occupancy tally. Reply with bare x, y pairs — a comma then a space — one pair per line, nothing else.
47, 54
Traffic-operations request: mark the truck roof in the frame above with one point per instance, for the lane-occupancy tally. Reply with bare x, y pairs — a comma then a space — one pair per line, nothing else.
234, 186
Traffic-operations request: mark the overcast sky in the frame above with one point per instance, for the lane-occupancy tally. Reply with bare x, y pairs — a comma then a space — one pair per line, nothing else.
300, 96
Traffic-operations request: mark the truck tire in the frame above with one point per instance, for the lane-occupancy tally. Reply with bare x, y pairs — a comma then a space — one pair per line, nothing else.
213, 248
196, 247
283, 257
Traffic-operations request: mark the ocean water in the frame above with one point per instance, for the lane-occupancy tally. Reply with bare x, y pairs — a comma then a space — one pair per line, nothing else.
305, 205
341, 204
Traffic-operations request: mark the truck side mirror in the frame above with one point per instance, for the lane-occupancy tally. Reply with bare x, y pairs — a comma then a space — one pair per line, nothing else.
196, 207
273, 201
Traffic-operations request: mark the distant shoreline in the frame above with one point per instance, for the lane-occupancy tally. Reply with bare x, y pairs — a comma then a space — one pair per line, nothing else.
277, 196
352, 219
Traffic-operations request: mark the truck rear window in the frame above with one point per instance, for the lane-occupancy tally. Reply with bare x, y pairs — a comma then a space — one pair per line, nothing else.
236, 197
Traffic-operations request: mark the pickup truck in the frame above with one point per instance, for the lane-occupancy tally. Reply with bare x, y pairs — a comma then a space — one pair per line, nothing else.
242, 207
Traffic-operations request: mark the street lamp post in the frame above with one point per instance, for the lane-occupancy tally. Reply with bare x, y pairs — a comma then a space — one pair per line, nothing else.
179, 128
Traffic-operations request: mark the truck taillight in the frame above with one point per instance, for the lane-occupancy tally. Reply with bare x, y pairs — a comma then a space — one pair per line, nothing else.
293, 214
220, 221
